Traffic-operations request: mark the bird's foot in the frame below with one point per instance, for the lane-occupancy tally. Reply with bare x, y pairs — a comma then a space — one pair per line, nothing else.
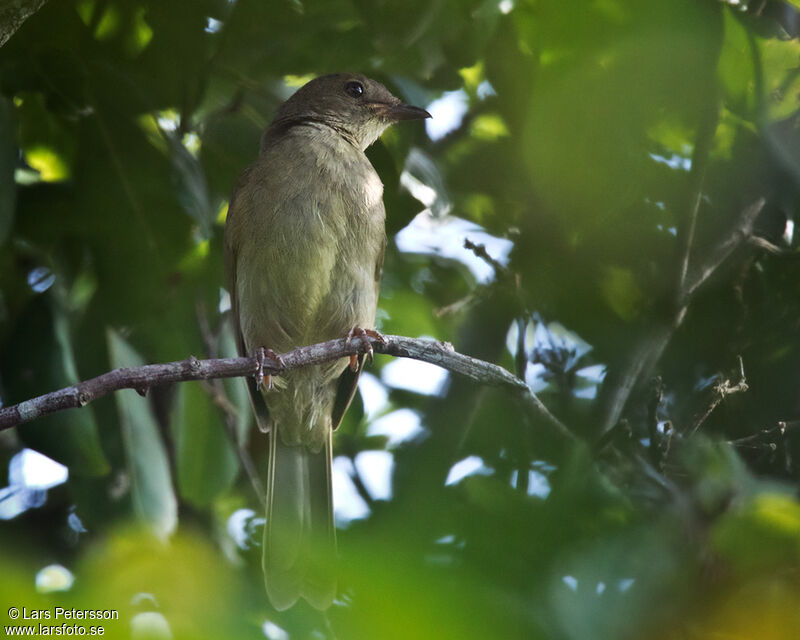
363, 335
263, 356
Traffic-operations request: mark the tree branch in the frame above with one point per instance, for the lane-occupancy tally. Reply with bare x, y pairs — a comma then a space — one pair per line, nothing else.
741, 233
700, 157
767, 438
144, 377
649, 348
13, 13
719, 392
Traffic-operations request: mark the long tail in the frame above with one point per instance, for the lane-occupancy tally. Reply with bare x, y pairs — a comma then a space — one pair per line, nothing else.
299, 549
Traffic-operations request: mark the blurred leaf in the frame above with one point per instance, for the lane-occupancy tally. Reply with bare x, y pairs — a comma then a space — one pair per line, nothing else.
205, 461
583, 136
44, 137
236, 388
611, 585
473, 76
190, 183
715, 471
229, 142
489, 126
408, 314
672, 136
763, 534
48, 163
151, 484
131, 572
763, 609
423, 179
41, 358
83, 436
737, 66
8, 152
453, 604
781, 63
621, 292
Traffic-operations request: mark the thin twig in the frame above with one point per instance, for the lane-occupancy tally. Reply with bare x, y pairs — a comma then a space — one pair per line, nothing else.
650, 347
503, 276
501, 272
459, 305
721, 391
700, 156
652, 419
766, 245
740, 233
361, 488
480, 251
521, 357
144, 377
767, 436
219, 398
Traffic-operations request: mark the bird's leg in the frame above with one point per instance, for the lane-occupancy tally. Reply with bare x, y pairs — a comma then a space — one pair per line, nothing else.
262, 355
363, 335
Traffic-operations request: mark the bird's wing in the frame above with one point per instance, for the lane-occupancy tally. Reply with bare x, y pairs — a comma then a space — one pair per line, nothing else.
257, 400
348, 381
345, 392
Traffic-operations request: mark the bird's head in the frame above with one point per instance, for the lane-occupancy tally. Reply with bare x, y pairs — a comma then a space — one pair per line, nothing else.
359, 108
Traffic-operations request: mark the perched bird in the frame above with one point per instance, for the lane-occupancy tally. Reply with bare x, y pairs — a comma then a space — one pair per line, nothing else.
304, 243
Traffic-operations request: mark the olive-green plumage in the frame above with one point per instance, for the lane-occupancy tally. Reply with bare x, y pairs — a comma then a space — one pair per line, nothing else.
304, 243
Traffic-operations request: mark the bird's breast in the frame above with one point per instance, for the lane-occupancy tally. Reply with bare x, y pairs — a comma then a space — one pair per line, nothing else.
306, 265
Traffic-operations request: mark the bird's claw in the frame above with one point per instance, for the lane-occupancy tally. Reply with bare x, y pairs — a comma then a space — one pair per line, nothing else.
262, 356
363, 335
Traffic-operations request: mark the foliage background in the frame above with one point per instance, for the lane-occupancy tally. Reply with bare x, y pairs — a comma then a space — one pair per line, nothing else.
619, 141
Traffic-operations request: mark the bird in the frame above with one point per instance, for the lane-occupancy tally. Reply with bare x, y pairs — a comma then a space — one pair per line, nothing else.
304, 243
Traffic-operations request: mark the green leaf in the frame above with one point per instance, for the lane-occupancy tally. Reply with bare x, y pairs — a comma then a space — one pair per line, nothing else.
736, 65
39, 358
407, 313
46, 140
762, 534
151, 486
236, 388
85, 455
207, 464
190, 183
781, 63
621, 292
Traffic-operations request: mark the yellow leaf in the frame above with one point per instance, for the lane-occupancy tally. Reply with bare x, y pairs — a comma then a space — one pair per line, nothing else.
50, 165
621, 292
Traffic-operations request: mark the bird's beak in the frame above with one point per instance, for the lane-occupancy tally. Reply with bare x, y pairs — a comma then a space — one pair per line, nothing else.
407, 112
399, 111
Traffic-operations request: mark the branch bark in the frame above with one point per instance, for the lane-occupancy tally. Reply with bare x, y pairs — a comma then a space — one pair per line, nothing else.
13, 13
142, 378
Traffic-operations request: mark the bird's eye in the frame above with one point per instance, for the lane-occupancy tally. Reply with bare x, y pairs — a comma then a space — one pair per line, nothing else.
354, 89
